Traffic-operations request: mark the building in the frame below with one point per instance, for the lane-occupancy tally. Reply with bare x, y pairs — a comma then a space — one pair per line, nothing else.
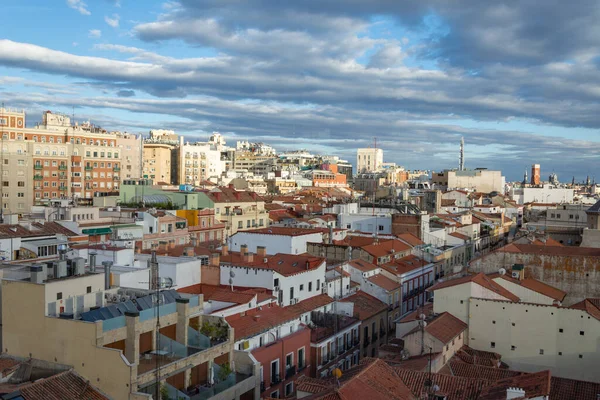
479, 180
203, 227
542, 194
131, 148
158, 162
368, 160
62, 160
201, 160
117, 345
162, 228
535, 174
372, 314
384, 251
283, 239
238, 210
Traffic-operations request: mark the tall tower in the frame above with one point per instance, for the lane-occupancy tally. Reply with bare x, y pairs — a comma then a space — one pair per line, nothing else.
535, 174
461, 160
525, 178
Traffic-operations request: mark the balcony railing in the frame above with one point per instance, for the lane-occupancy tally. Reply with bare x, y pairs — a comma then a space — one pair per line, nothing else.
262, 386
38, 177
62, 167
290, 371
38, 166
62, 188
115, 178
116, 169
301, 366
275, 379
63, 177
89, 168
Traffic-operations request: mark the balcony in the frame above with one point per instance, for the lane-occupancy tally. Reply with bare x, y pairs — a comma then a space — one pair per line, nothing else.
116, 169
89, 168
38, 166
290, 371
275, 379
62, 188
115, 178
62, 167
38, 177
63, 177
88, 178
301, 366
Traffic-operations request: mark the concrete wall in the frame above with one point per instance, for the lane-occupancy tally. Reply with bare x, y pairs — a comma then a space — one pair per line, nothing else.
64, 341
531, 328
578, 275
274, 243
366, 222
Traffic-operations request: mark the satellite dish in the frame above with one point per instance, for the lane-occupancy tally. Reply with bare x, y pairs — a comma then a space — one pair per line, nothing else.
502, 271
166, 283
232, 274
230, 281
422, 316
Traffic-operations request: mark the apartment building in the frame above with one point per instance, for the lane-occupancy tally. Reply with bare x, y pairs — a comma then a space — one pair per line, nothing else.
131, 148
67, 160
372, 313
200, 161
368, 160
239, 210
110, 336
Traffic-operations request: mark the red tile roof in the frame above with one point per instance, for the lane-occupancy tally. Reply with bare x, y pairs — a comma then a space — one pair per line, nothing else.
482, 280
64, 386
534, 385
284, 264
410, 239
229, 195
36, 229
444, 327
568, 389
405, 264
365, 305
283, 231
459, 235
386, 247
478, 357
372, 379
591, 306
384, 282
453, 387
257, 321
355, 241
426, 309
480, 372
362, 265
219, 293
534, 285
550, 250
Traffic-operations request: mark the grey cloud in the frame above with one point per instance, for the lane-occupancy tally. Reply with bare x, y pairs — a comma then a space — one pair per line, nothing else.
126, 93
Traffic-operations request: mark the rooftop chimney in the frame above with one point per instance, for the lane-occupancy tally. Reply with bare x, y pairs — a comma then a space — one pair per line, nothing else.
261, 251
194, 241
93, 262
237, 195
248, 257
215, 260
38, 273
244, 249
107, 266
189, 252
225, 250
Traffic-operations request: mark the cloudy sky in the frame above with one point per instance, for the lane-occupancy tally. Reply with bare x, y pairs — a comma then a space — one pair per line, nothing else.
518, 79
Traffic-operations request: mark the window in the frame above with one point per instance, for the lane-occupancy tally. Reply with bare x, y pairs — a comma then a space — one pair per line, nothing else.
513, 324
276, 282
581, 356
493, 345
380, 227
301, 287
301, 358
318, 285
59, 296
20, 194
310, 286
560, 353
5, 184
89, 289
461, 302
560, 330
513, 348
541, 352
240, 224
21, 184
581, 333
275, 394
289, 389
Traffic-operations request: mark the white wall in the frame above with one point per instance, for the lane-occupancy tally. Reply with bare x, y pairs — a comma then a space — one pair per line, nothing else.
366, 222
526, 295
274, 243
537, 328
247, 277
295, 281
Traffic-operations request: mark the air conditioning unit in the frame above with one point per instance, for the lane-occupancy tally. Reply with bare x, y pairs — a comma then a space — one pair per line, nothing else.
515, 274
324, 290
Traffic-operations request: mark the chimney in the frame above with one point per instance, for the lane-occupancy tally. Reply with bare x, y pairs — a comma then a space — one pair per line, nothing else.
248, 257
172, 244
261, 251
214, 260
194, 241
189, 252
225, 250
243, 249
93, 262
217, 195
237, 194
107, 266
307, 265
230, 186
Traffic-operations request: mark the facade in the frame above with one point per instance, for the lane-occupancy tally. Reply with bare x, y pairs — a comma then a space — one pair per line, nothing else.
201, 161
542, 194
238, 210
479, 180
66, 160
282, 239
368, 160
372, 314
120, 353
131, 148
415, 275
158, 162
535, 174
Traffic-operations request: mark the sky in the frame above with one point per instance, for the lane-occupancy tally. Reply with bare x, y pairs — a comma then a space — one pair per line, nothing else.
519, 80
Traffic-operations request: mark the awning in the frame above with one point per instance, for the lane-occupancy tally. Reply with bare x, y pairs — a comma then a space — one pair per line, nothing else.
97, 231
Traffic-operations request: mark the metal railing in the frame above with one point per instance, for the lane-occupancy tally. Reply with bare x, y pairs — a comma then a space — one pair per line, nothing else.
290, 371
275, 379
366, 342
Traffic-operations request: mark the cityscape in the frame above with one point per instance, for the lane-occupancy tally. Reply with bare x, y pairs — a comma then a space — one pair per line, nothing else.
299, 201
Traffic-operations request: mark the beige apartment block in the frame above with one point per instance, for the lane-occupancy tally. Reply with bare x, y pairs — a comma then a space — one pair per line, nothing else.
131, 150
158, 162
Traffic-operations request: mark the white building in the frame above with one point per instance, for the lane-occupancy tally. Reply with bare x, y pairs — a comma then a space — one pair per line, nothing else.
369, 160
367, 220
292, 278
545, 194
276, 239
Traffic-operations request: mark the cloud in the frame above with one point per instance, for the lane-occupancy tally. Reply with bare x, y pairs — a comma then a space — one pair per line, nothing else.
114, 21
125, 93
80, 6
95, 33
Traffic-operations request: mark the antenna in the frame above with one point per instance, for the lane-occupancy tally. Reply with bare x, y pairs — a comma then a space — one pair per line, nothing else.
461, 160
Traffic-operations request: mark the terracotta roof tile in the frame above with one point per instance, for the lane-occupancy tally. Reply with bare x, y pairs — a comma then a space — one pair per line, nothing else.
480, 371
284, 264
386, 247
534, 385
426, 309
362, 265
372, 379
365, 305
410, 239
384, 282
284, 231
64, 386
445, 327
219, 293
405, 264
459, 235
534, 285
568, 389
453, 387
229, 195
478, 357
482, 280
551, 250
591, 306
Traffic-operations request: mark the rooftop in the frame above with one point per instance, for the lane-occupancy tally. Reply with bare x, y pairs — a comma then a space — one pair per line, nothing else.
283, 231
482, 280
384, 282
63, 386
443, 327
410, 239
534, 285
365, 305
386, 247
284, 264
229, 195
405, 264
362, 265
